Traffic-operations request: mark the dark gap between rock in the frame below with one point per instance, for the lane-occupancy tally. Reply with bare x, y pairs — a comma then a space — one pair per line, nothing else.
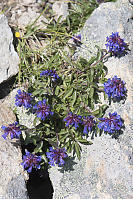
39, 185
6, 87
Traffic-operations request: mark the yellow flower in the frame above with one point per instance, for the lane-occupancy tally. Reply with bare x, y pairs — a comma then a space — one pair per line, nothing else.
17, 34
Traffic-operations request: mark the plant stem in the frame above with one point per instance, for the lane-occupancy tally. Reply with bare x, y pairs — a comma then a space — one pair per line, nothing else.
92, 65
19, 74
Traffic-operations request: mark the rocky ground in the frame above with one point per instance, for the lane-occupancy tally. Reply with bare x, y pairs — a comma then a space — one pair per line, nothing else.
17, 10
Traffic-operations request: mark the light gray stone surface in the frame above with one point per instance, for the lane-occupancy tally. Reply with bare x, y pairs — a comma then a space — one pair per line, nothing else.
60, 8
27, 18
12, 176
26, 2
106, 167
8, 57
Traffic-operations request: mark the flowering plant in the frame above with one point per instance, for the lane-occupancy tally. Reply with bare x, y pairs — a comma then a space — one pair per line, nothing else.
66, 109
63, 94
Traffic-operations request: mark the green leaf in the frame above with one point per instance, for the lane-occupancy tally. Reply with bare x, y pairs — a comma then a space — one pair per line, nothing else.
76, 8
52, 142
68, 21
61, 93
34, 141
92, 75
68, 93
44, 158
24, 135
63, 132
47, 125
83, 62
63, 138
30, 31
38, 147
74, 97
99, 53
94, 85
36, 92
49, 91
96, 112
91, 93
92, 104
91, 61
57, 90
69, 146
35, 121
84, 141
77, 148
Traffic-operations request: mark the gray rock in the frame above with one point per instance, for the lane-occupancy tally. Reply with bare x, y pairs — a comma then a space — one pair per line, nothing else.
27, 2
12, 176
12, 183
8, 57
29, 17
60, 8
105, 170
131, 1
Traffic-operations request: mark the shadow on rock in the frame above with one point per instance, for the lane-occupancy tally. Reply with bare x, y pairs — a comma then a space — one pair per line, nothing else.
69, 164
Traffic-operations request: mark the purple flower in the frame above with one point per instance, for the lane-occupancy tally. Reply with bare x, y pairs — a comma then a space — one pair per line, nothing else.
73, 119
42, 110
23, 99
115, 44
115, 88
50, 73
13, 130
111, 124
56, 156
77, 39
88, 123
100, 1
31, 161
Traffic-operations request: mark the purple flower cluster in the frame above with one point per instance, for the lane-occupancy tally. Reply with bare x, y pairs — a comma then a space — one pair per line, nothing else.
42, 110
115, 44
56, 156
111, 124
73, 119
23, 99
88, 123
31, 161
115, 88
50, 73
13, 130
